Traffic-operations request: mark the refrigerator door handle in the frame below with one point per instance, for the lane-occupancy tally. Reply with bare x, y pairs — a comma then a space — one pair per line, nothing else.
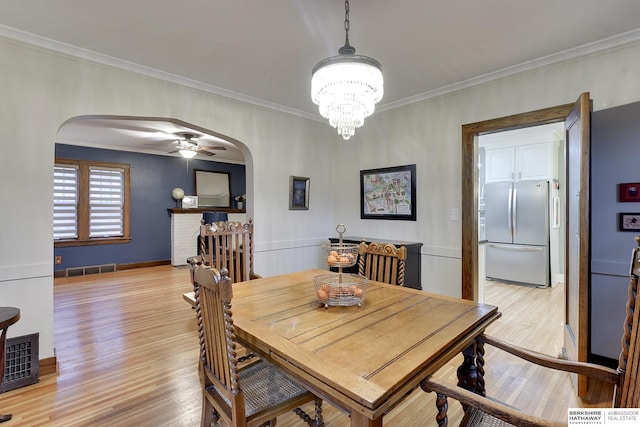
509, 212
516, 247
514, 213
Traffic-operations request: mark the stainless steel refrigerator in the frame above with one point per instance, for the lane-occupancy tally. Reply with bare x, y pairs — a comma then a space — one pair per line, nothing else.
517, 231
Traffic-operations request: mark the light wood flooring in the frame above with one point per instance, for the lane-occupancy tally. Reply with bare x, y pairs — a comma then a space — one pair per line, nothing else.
127, 350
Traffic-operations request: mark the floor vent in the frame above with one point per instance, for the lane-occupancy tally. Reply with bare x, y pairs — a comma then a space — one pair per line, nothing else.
93, 269
22, 363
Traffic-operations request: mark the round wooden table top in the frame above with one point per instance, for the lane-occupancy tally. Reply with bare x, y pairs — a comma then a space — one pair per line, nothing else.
8, 316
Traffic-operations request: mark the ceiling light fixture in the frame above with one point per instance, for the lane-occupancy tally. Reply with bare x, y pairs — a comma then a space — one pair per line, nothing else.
187, 147
347, 87
188, 153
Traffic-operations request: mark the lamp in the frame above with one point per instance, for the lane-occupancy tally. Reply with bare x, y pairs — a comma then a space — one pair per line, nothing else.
347, 87
187, 154
177, 194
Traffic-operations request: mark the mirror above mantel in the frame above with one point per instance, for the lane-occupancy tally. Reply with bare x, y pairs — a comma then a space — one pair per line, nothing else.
213, 189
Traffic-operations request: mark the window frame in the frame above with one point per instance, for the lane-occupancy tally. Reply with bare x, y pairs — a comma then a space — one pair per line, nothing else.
83, 210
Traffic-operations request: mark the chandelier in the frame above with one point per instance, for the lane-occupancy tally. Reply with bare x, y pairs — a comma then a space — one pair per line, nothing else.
347, 87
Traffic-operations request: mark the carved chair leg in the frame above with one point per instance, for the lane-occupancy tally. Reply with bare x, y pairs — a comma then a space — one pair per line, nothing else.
209, 414
443, 406
312, 422
319, 421
480, 386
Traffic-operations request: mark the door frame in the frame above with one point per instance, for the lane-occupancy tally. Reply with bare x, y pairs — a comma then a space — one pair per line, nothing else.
470, 180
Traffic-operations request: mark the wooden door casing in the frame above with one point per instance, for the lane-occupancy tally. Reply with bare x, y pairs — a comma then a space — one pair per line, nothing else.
577, 146
470, 181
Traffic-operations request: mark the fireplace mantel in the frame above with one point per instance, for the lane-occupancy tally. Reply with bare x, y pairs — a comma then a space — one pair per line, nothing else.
201, 210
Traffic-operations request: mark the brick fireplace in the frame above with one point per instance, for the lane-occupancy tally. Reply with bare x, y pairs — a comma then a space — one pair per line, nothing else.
185, 228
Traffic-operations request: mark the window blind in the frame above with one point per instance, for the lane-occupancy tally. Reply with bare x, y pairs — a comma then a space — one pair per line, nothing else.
65, 202
106, 202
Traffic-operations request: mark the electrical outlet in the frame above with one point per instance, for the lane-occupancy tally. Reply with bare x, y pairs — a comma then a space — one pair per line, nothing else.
58, 259
454, 214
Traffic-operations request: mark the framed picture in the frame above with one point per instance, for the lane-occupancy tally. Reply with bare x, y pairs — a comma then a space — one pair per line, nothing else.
388, 193
629, 192
298, 193
629, 222
189, 202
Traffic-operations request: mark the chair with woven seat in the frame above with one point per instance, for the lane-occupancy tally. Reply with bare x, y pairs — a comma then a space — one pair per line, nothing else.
227, 244
243, 396
481, 410
382, 262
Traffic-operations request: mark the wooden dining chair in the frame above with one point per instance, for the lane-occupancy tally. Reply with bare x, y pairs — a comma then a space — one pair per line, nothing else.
382, 262
227, 244
481, 410
253, 395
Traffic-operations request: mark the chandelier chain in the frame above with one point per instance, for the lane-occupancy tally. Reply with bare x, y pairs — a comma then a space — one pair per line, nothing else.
347, 24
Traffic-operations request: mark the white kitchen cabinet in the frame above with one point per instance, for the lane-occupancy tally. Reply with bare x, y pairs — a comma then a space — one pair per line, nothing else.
519, 163
500, 164
533, 161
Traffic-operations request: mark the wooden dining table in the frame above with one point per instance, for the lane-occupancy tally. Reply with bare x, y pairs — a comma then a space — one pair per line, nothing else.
363, 359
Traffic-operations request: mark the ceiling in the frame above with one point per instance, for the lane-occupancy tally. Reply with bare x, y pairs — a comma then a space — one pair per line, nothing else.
263, 51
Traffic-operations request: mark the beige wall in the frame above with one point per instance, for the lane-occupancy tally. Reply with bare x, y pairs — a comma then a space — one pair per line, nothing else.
429, 134
40, 90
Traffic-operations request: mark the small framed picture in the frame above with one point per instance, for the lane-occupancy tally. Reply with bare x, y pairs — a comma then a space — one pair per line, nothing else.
629, 222
189, 202
298, 193
629, 192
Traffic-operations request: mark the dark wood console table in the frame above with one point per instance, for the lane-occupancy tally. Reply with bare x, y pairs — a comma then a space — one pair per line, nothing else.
8, 316
412, 265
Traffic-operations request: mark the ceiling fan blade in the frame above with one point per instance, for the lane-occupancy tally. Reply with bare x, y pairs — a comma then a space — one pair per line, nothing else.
163, 142
214, 147
205, 152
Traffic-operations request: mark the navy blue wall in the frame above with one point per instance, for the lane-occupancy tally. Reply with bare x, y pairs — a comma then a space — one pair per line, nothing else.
152, 179
614, 160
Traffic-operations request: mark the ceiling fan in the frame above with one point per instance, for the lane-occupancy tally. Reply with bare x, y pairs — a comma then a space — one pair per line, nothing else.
188, 147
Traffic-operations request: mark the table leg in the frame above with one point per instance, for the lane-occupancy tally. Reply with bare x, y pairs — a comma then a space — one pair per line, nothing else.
360, 420
3, 338
471, 372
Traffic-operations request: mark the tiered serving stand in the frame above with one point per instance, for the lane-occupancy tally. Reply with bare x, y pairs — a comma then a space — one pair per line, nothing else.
340, 289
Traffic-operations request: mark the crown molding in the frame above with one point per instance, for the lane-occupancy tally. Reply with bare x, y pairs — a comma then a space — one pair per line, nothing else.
600, 46
610, 43
89, 55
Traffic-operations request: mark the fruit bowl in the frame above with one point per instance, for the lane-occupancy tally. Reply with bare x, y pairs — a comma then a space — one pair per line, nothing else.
340, 254
340, 289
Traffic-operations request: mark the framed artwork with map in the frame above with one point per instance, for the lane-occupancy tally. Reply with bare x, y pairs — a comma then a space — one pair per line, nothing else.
388, 193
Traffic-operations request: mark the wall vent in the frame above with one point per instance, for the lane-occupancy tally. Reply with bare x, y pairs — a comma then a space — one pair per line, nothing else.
23, 362
91, 269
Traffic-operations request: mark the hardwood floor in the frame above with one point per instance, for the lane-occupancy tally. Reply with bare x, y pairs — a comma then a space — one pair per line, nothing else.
127, 349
